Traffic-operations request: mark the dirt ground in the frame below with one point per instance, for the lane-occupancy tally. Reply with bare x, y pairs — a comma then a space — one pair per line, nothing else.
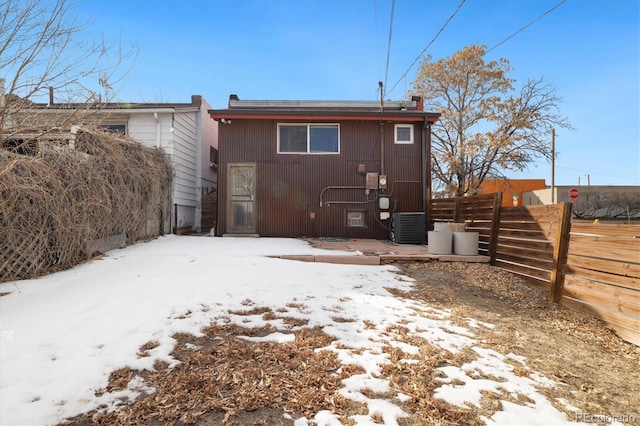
601, 371
226, 380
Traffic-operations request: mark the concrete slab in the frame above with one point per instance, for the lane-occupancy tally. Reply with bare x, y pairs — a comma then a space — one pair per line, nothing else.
301, 257
387, 251
460, 258
349, 260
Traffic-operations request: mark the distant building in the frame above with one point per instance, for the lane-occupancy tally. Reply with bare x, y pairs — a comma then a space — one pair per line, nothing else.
183, 131
593, 202
512, 189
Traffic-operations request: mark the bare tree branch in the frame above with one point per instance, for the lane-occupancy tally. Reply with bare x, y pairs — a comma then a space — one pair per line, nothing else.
42, 47
483, 129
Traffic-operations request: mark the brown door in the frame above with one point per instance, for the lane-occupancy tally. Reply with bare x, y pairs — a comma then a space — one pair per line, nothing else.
241, 201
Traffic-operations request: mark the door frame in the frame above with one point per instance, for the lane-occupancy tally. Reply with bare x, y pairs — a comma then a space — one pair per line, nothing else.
244, 198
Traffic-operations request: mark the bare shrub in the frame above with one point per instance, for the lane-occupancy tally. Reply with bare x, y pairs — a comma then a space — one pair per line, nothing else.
54, 203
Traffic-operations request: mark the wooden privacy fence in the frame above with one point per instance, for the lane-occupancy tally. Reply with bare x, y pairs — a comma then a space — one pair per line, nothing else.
602, 275
209, 206
590, 268
478, 212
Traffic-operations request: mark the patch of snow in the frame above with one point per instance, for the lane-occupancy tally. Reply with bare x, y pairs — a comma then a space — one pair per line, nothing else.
63, 334
276, 337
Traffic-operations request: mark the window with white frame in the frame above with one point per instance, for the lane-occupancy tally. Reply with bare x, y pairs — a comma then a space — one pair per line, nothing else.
355, 218
299, 138
403, 133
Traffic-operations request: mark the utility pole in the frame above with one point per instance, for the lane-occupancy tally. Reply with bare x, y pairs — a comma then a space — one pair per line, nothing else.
553, 166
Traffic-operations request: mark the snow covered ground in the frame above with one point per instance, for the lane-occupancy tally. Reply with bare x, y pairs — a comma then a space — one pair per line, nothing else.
63, 334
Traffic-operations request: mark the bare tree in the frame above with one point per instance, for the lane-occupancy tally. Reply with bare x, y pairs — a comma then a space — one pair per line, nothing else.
42, 48
484, 130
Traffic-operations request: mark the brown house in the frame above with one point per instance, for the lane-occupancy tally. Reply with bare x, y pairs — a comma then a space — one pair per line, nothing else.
322, 168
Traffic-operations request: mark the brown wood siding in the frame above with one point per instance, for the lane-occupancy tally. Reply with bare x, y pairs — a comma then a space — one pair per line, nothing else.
288, 186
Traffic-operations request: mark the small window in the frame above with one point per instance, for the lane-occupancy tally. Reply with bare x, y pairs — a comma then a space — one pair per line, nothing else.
115, 128
213, 157
355, 218
403, 133
308, 138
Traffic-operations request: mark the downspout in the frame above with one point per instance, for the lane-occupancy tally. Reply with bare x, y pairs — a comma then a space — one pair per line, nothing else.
198, 158
426, 167
381, 125
381, 146
423, 160
155, 117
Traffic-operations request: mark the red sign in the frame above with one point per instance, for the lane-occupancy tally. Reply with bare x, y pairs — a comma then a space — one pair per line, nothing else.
574, 194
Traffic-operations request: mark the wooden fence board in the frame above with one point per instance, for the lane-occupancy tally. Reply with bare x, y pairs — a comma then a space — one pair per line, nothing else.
610, 243
632, 231
631, 283
529, 261
603, 265
525, 234
528, 215
541, 245
610, 250
624, 325
540, 278
526, 252
616, 299
542, 227
524, 269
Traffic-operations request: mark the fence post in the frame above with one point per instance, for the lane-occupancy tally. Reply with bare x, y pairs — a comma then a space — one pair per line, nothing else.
495, 227
456, 209
560, 250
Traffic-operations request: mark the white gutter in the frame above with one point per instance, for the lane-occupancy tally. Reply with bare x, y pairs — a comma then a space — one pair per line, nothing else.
113, 111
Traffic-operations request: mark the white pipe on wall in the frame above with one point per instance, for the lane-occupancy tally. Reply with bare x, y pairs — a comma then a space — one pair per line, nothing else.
155, 116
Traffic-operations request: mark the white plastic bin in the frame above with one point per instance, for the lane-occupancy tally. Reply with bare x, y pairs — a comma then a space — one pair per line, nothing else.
439, 242
466, 243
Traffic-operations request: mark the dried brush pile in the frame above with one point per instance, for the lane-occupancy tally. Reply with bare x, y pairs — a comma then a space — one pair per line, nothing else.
55, 203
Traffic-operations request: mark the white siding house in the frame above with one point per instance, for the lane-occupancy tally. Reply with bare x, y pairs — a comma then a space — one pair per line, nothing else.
183, 131
187, 134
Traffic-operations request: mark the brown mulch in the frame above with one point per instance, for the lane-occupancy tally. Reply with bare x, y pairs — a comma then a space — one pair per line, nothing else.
598, 372
224, 379
222, 376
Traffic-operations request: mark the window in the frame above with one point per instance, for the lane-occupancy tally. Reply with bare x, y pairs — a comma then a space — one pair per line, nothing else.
308, 138
115, 128
355, 218
213, 157
403, 133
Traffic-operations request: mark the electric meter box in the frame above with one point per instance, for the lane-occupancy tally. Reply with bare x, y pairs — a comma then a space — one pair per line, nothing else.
372, 180
382, 181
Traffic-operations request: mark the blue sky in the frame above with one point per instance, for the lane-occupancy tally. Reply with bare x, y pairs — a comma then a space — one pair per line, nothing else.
337, 49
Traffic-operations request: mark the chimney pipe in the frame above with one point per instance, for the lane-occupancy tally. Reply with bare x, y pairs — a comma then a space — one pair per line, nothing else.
50, 96
419, 102
233, 97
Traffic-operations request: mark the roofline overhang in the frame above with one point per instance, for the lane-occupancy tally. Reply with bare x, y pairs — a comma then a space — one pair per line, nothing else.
396, 116
135, 110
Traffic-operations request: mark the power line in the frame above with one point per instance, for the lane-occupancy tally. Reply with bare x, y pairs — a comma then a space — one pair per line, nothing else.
429, 45
386, 72
528, 25
596, 173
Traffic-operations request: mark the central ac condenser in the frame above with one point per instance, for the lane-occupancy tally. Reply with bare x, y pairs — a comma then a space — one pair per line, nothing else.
409, 228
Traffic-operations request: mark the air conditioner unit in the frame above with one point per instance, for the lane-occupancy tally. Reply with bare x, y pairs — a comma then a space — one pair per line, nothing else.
409, 228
